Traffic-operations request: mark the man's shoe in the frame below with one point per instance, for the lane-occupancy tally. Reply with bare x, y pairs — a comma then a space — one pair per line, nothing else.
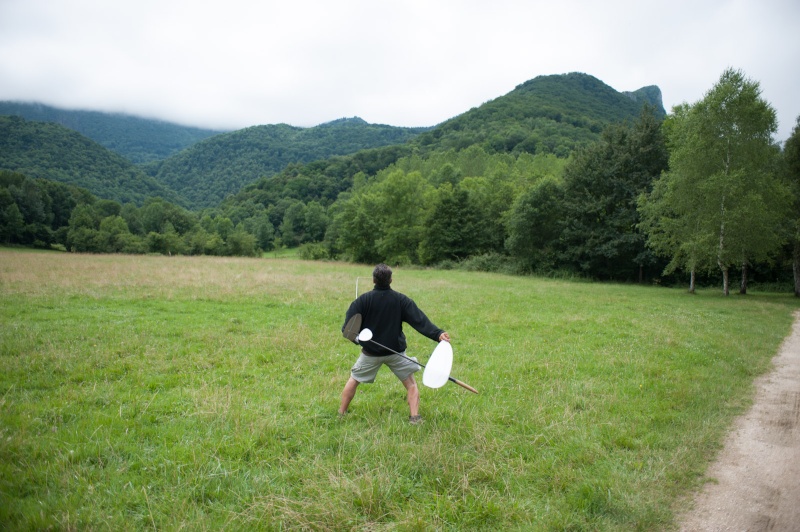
416, 420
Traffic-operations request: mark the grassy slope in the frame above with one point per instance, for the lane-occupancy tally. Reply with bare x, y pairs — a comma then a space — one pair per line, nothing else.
141, 392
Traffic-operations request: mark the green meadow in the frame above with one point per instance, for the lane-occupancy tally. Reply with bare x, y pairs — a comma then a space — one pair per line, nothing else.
200, 393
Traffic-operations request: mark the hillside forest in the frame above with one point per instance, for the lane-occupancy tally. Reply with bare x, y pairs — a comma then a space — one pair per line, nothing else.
563, 176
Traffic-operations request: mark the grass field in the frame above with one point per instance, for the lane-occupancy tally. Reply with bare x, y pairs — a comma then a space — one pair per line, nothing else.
200, 393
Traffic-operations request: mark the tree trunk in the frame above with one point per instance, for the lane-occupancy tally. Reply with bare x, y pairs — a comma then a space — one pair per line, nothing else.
796, 268
691, 282
726, 285
726, 288
743, 287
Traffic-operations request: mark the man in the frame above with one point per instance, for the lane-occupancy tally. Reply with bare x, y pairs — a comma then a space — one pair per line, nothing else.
383, 311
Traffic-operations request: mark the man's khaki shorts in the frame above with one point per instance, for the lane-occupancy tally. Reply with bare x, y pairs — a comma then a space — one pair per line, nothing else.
366, 367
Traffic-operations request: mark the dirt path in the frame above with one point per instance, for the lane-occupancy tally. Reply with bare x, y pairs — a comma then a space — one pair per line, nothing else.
757, 474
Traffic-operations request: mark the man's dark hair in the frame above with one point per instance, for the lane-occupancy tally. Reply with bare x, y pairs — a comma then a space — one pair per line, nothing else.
382, 275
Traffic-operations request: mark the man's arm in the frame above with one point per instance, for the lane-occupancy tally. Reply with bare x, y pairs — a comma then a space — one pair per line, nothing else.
414, 316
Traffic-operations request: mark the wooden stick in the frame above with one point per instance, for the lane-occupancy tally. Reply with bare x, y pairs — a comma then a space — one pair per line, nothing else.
463, 384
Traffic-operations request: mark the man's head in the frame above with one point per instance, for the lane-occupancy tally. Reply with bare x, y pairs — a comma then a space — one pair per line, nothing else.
382, 275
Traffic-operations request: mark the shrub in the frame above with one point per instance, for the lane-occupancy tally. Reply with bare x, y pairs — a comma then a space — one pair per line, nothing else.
315, 251
490, 262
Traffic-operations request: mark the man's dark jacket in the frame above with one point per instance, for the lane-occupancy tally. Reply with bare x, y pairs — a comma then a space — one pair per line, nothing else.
383, 311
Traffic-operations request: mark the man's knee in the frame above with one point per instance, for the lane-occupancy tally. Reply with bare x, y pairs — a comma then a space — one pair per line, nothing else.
410, 383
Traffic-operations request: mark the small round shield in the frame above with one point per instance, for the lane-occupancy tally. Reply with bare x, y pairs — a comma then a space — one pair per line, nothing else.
437, 371
365, 335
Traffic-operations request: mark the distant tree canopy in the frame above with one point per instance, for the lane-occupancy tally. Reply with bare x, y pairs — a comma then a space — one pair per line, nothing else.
548, 114
600, 232
42, 213
137, 139
206, 173
426, 210
51, 151
199, 177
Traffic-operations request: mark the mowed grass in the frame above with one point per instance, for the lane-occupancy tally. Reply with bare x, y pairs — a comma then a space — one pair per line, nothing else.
201, 393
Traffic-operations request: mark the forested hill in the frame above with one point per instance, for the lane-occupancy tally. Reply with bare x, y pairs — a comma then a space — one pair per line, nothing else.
548, 114
54, 152
216, 167
138, 139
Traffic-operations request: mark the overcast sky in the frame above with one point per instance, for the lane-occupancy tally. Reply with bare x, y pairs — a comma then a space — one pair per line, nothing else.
230, 64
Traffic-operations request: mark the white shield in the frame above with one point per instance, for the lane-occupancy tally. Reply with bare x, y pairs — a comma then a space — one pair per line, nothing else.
437, 370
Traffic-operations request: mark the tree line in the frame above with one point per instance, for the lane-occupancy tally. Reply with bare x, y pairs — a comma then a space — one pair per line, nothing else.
701, 193
41, 213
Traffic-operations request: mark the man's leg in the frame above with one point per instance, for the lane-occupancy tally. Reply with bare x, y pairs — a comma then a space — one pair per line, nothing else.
413, 395
347, 395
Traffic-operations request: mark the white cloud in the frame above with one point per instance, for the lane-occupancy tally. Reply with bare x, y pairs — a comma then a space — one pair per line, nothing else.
409, 63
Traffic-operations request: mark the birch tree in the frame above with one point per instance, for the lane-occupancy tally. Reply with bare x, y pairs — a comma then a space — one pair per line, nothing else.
791, 151
721, 203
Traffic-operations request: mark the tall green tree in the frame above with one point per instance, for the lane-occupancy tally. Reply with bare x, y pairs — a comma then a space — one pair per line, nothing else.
11, 224
534, 225
316, 221
156, 213
356, 227
721, 204
167, 242
452, 230
64, 198
113, 232
791, 151
491, 198
241, 243
293, 226
261, 228
404, 201
384, 220
601, 189
83, 230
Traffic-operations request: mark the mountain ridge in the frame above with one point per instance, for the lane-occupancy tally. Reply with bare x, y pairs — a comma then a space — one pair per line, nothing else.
206, 172
136, 138
550, 114
547, 114
52, 151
